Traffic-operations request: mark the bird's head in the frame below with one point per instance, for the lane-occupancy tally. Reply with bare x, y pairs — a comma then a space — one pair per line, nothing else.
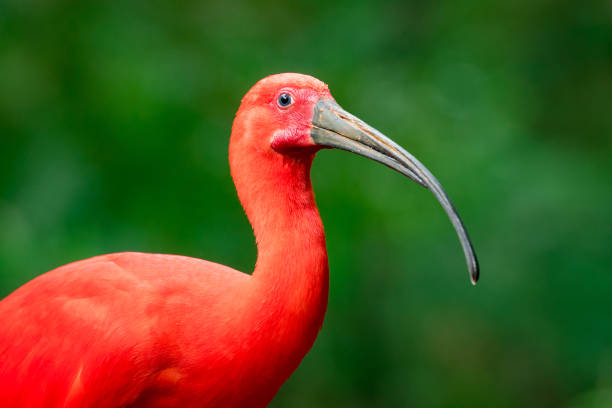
285, 119
277, 114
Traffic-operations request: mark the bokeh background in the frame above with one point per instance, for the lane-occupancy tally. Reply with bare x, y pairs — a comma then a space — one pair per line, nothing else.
114, 127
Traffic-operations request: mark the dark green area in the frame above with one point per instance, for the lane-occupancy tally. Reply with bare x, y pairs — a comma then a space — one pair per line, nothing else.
114, 126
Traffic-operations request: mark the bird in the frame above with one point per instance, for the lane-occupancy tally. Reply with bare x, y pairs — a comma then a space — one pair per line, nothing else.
149, 330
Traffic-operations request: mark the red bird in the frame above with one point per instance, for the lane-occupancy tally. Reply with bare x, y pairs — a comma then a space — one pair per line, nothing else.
148, 330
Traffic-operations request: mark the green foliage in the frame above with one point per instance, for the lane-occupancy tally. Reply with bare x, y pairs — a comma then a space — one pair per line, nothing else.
114, 124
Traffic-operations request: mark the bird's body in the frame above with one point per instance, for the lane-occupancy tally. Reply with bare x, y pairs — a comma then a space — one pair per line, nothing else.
134, 316
148, 330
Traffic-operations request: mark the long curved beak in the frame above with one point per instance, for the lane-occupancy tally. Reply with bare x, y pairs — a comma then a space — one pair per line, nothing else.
332, 126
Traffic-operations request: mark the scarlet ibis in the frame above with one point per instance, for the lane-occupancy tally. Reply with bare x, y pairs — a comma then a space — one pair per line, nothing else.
149, 330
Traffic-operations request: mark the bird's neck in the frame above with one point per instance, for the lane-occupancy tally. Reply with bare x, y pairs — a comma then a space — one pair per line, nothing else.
292, 257
291, 270
288, 292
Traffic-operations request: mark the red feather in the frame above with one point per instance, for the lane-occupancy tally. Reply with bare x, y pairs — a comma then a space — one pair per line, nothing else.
146, 330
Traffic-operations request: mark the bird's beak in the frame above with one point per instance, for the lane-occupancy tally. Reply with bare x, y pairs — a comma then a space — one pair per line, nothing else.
332, 126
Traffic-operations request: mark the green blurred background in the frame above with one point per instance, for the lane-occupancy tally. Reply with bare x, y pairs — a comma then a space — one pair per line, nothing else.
114, 127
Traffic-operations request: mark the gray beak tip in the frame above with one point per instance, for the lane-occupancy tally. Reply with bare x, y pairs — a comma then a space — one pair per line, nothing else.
474, 278
474, 270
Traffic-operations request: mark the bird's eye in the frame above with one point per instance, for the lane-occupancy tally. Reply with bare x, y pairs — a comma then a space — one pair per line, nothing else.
284, 100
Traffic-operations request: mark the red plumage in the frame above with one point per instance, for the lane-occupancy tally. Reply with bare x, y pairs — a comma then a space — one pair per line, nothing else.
146, 330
